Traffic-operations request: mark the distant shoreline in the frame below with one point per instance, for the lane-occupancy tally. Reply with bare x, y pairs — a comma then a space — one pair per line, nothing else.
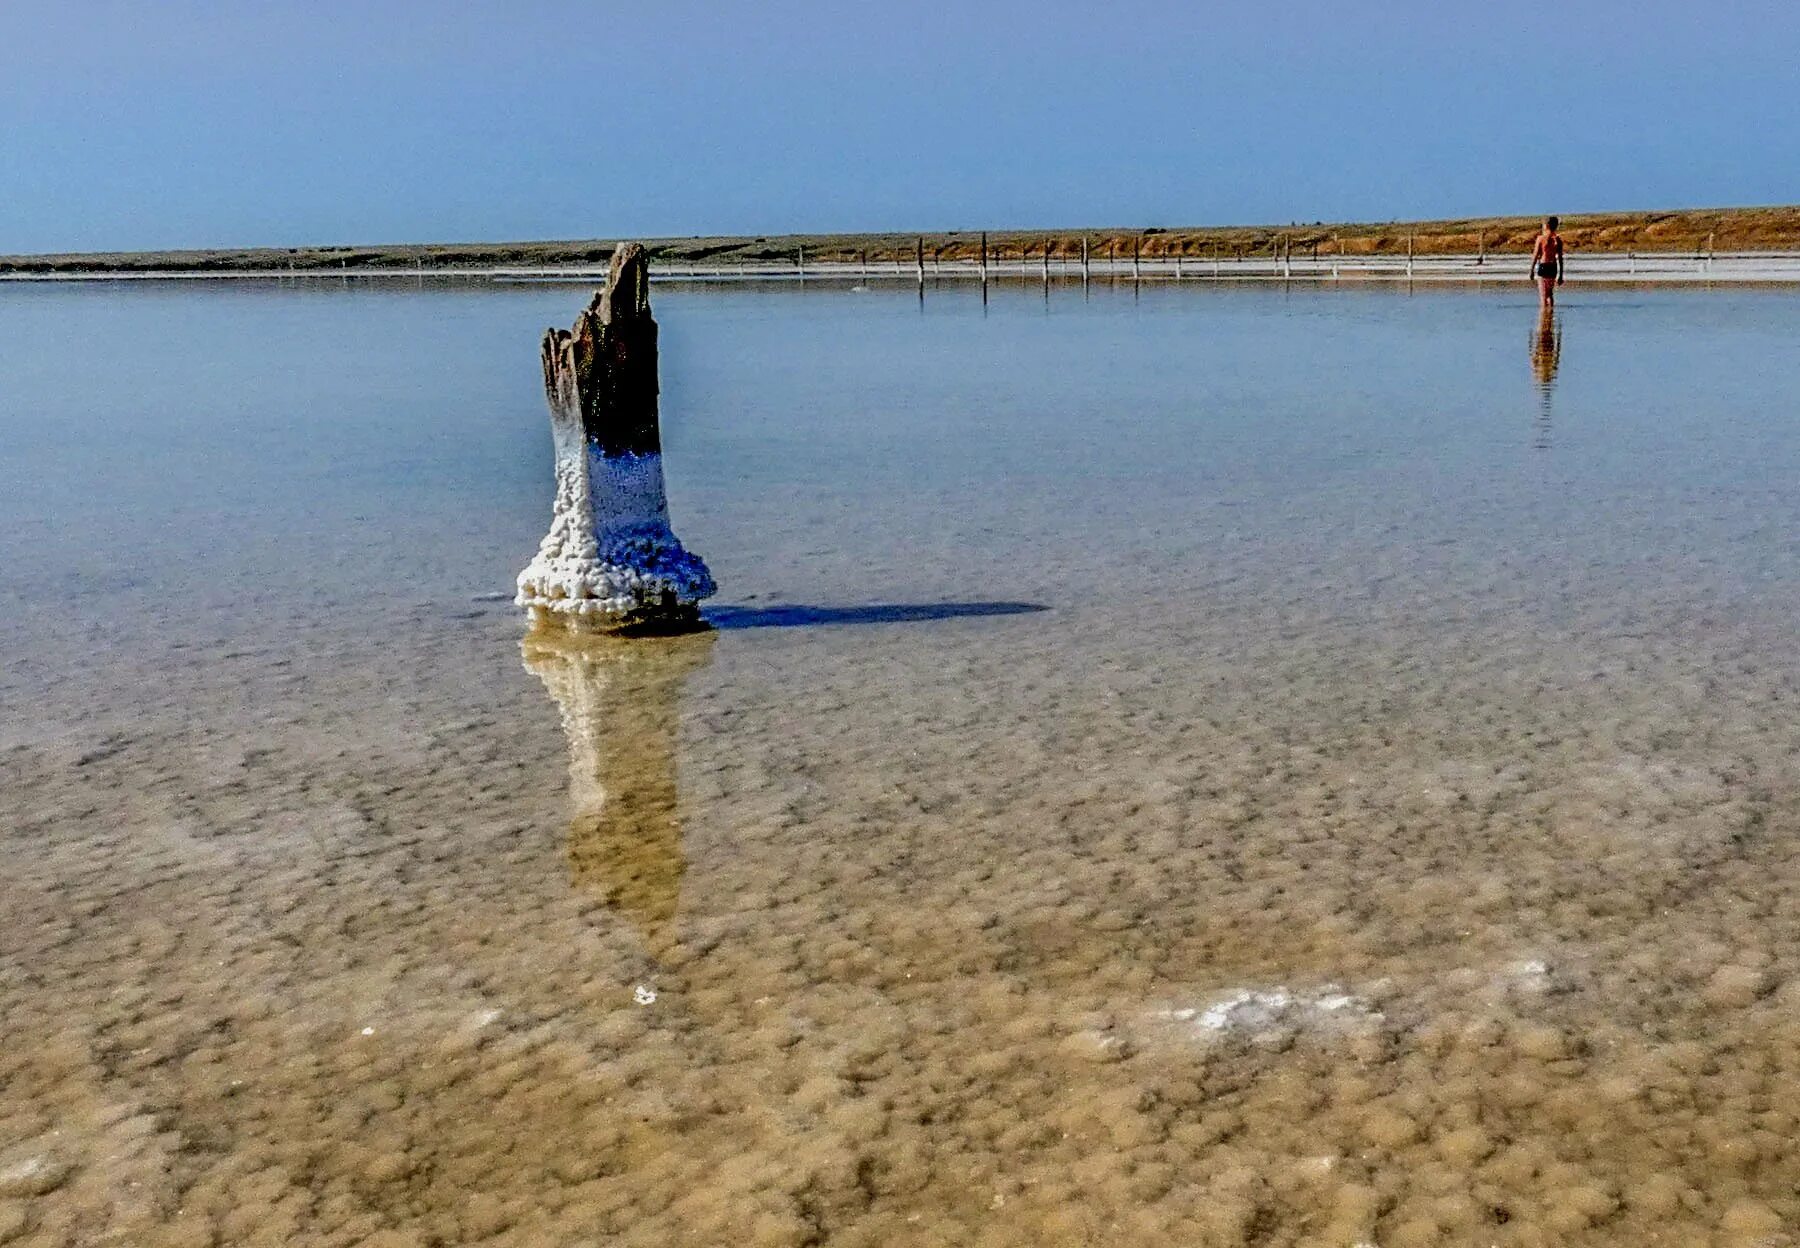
1497, 269
1655, 236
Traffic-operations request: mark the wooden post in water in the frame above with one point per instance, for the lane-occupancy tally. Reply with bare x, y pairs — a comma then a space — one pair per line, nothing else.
920, 255
984, 262
610, 560
1709, 251
1046, 262
1134, 257
1084, 259
865, 262
800, 262
1481, 248
1409, 254
1287, 257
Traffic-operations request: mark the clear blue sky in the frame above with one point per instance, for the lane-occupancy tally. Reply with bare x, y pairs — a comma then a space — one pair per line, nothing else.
173, 123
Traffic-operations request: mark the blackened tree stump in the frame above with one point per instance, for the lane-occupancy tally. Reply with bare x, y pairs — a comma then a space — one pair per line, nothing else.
610, 561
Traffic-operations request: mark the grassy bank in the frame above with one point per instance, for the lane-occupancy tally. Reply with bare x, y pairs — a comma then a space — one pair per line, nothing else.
1689, 231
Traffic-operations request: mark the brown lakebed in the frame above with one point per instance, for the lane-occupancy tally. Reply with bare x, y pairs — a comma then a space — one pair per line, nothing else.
1384, 832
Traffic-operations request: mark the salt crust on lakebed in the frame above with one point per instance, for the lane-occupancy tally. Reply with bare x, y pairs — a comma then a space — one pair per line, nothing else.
295, 954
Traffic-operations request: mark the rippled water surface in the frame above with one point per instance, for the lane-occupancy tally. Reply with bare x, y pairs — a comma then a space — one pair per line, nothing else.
1206, 766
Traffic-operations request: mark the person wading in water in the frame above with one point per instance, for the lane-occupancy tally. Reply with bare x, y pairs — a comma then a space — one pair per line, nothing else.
1547, 262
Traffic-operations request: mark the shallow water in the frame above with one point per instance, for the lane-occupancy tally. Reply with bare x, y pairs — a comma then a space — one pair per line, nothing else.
1201, 766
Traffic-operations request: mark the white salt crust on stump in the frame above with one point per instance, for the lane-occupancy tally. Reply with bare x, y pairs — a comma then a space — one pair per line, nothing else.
610, 560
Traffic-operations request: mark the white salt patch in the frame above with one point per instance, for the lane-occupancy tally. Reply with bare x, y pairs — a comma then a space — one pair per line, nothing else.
643, 995
1264, 1012
1246, 1009
22, 1172
34, 1176
1531, 975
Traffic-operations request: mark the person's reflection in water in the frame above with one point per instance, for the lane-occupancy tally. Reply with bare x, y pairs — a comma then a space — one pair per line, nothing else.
620, 705
1546, 357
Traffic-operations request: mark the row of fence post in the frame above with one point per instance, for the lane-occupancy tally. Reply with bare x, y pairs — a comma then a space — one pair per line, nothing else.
988, 259
1281, 248
1281, 251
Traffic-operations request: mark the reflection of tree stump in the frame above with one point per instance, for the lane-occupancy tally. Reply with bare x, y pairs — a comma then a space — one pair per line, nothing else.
620, 705
610, 560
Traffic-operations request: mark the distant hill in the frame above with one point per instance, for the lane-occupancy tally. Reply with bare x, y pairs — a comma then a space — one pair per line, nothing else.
1689, 230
